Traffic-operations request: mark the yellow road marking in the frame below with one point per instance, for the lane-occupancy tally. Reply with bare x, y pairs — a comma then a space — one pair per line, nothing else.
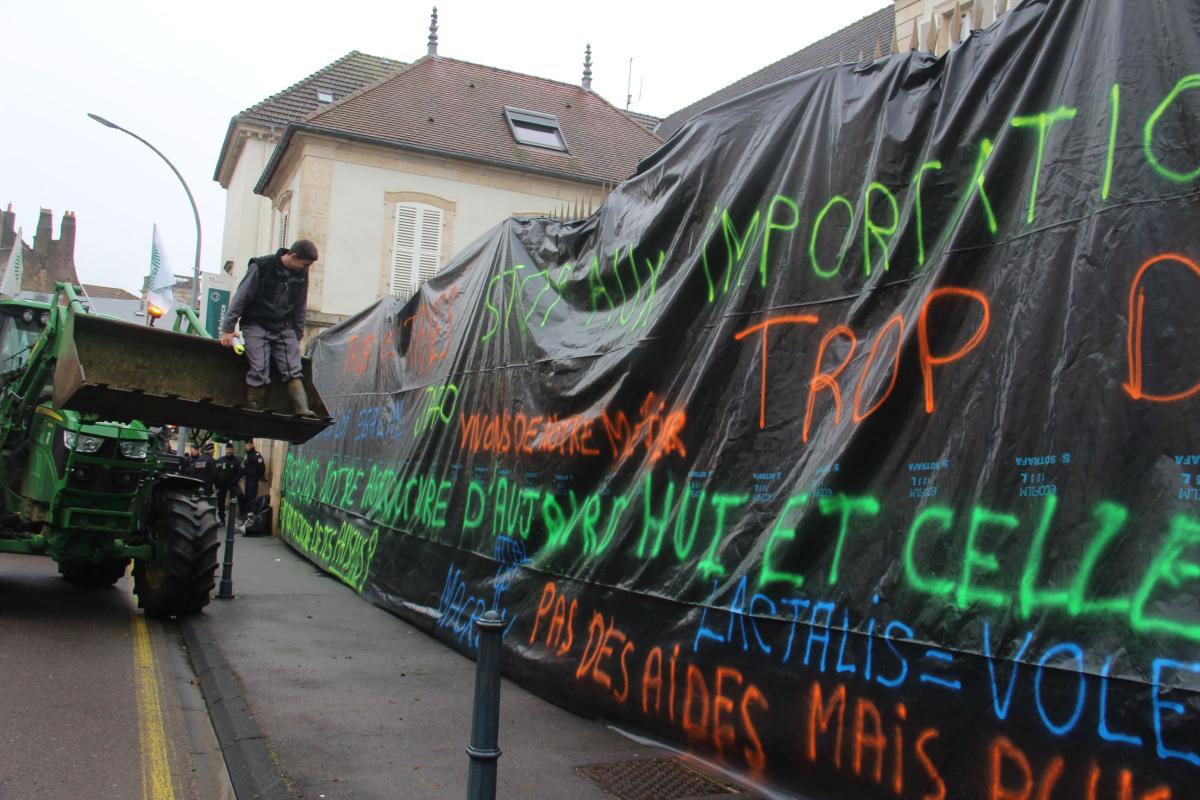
156, 768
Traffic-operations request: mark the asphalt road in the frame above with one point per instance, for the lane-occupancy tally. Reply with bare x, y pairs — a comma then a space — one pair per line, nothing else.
96, 700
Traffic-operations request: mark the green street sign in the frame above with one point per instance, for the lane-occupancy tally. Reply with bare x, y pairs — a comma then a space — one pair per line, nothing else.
216, 302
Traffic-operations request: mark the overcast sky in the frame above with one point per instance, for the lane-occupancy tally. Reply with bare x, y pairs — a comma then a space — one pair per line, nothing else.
175, 73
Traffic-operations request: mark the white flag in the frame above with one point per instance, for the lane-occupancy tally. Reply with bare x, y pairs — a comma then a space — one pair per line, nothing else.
11, 284
159, 297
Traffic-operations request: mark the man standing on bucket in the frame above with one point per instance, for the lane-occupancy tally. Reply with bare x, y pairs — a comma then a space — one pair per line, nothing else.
272, 303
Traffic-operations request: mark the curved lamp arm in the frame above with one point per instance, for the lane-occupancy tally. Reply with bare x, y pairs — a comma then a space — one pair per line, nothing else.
186, 188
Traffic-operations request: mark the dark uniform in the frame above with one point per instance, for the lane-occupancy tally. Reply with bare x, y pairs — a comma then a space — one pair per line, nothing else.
255, 466
201, 468
226, 475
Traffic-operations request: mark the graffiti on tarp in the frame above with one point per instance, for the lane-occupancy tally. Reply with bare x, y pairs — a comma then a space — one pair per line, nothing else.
459, 608
654, 428
827, 381
620, 288
872, 475
668, 522
732, 247
838, 723
344, 550
431, 329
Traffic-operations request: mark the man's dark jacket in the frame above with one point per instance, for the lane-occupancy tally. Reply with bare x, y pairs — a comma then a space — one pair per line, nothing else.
255, 466
227, 471
202, 467
270, 296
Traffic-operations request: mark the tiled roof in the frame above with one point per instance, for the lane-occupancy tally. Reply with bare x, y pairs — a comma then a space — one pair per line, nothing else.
457, 108
108, 292
647, 121
345, 76
348, 74
845, 45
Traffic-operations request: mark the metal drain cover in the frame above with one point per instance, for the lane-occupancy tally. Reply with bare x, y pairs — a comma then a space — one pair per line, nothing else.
654, 779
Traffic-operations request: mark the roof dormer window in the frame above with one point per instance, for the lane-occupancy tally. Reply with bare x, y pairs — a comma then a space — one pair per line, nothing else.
324, 97
534, 128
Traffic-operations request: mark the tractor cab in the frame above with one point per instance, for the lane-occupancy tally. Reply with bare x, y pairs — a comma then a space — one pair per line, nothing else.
21, 325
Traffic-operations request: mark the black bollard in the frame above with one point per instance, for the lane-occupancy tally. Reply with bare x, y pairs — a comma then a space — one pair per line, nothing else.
485, 718
225, 590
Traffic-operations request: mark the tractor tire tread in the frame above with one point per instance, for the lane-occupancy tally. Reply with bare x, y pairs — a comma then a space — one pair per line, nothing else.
189, 563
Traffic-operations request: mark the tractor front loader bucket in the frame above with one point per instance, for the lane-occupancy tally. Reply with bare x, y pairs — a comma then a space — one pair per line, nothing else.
123, 372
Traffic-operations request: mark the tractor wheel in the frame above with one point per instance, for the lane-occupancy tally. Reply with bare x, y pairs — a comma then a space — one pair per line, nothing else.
179, 581
94, 576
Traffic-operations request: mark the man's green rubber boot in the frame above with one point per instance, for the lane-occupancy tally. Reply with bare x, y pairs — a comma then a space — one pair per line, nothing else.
256, 397
299, 397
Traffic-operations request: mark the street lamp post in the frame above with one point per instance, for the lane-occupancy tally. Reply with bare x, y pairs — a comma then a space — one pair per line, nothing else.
195, 213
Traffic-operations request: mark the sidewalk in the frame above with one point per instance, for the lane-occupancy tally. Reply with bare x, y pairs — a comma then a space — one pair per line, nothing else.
356, 703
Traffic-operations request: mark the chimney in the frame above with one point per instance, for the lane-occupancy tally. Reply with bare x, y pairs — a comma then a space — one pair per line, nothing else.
587, 68
45, 231
433, 33
61, 260
8, 231
66, 235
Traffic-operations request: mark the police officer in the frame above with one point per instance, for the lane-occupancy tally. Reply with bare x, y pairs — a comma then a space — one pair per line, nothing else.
201, 467
226, 475
254, 468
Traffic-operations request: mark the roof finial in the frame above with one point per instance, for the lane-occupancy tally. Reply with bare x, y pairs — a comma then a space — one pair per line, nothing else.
433, 33
587, 68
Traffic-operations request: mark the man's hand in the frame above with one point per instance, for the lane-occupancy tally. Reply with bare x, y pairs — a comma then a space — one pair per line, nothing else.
227, 339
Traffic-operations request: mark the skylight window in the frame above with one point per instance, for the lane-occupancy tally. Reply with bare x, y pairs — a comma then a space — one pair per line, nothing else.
324, 97
535, 128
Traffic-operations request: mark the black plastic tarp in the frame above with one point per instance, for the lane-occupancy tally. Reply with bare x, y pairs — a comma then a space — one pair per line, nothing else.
851, 444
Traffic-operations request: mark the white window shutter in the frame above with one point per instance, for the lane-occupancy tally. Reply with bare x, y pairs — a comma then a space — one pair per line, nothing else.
283, 226
416, 247
431, 242
404, 250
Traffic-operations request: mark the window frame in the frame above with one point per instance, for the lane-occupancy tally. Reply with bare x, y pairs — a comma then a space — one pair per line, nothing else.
945, 12
518, 116
282, 218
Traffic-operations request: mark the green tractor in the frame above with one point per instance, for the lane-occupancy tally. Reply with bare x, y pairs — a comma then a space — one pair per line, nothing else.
82, 479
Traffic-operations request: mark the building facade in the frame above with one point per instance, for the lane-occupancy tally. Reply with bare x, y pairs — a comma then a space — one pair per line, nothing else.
252, 227
392, 168
935, 25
